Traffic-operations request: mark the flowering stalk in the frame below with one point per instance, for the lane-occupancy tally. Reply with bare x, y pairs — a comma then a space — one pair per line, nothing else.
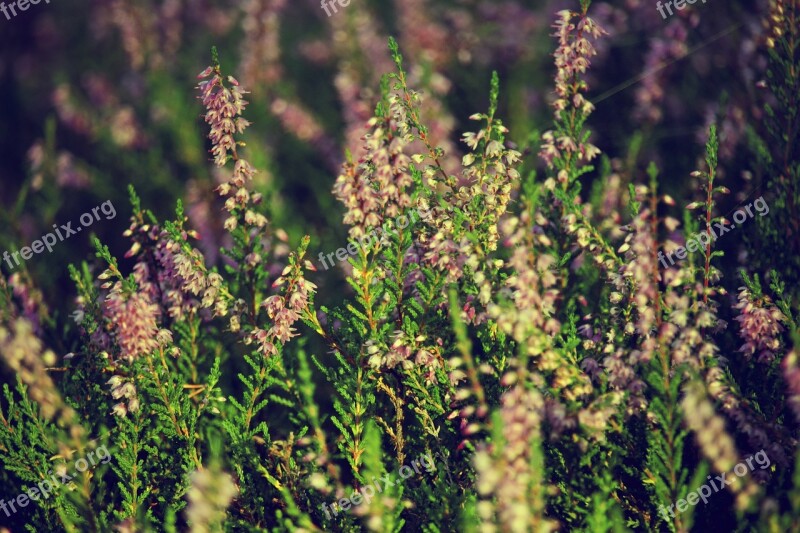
295, 302
224, 106
410, 102
566, 146
712, 147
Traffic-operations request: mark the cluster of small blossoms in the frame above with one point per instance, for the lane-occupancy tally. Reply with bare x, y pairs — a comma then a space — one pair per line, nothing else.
447, 250
180, 282
103, 114
608, 213
714, 441
779, 12
122, 389
425, 36
239, 198
683, 332
621, 374
398, 353
760, 324
287, 308
161, 284
491, 176
512, 497
359, 198
137, 25
596, 248
224, 108
354, 37
198, 281
572, 59
595, 418
438, 119
760, 432
602, 342
680, 335
223, 113
133, 317
261, 51
407, 353
25, 354
388, 161
445, 246
532, 286
377, 187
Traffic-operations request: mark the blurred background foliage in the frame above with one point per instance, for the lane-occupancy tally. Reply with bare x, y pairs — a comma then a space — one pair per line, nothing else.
99, 94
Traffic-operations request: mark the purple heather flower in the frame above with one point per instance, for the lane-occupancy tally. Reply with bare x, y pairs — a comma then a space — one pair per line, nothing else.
760, 324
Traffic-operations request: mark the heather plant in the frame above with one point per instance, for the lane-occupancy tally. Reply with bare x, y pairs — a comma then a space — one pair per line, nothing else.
517, 359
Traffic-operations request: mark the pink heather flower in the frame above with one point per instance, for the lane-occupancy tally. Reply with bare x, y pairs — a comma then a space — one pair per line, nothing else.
224, 107
209, 494
358, 33
283, 309
572, 59
194, 279
134, 319
504, 474
761, 433
273, 304
714, 440
424, 36
173, 277
377, 187
760, 326
444, 253
427, 361
74, 117
492, 175
408, 354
